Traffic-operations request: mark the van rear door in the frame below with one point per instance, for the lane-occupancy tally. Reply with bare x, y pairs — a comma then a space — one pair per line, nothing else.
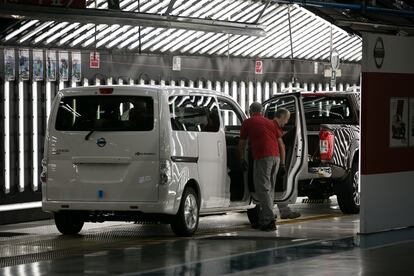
104, 146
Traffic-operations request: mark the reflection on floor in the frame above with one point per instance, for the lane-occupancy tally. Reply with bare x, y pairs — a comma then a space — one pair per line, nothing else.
322, 241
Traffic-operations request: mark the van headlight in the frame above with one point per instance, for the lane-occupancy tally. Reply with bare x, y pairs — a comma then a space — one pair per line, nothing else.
165, 172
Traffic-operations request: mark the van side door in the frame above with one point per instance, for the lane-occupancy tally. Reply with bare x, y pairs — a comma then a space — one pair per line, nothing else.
295, 142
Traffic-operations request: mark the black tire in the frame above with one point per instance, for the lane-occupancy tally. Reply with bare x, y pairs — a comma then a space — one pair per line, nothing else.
348, 192
186, 220
253, 215
68, 223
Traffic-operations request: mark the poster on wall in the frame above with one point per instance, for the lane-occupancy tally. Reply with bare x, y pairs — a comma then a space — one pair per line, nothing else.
51, 65
76, 66
38, 65
24, 64
9, 64
411, 126
94, 60
63, 66
399, 122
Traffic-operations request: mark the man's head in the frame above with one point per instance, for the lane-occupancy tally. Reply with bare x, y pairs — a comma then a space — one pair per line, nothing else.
255, 107
282, 116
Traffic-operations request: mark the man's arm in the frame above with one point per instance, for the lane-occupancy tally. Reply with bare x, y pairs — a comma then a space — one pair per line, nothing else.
282, 151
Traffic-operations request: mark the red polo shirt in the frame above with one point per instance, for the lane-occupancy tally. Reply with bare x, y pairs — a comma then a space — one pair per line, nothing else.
262, 135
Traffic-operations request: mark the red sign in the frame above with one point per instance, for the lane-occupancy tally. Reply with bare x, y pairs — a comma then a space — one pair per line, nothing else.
51, 3
259, 67
94, 60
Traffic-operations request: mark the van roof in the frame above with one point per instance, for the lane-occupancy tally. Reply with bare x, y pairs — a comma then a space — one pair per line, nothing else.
168, 89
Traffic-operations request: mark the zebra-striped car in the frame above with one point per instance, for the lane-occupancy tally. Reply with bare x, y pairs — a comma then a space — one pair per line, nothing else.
323, 132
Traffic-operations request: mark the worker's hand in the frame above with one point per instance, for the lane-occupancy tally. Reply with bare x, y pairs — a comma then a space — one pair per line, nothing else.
282, 170
244, 165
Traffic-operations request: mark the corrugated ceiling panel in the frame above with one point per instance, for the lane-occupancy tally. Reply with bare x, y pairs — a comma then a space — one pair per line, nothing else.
310, 34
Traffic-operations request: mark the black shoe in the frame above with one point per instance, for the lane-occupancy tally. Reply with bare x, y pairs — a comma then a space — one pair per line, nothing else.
291, 215
268, 227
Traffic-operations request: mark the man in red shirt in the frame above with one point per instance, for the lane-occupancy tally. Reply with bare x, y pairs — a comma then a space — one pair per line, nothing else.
265, 150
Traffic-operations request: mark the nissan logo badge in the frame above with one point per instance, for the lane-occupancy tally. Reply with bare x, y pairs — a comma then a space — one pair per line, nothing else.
379, 52
101, 142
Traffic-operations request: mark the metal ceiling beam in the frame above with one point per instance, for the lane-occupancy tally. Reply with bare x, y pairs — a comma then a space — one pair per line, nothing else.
99, 16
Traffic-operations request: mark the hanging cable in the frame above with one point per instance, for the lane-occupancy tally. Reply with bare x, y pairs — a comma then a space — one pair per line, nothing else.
139, 30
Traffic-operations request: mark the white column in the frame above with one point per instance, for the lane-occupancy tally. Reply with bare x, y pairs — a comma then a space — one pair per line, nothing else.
266, 90
61, 85
243, 96
142, 81
182, 83
259, 91
120, 81
7, 137
251, 93
227, 92
97, 81
274, 88
234, 96
341, 87
131, 81
209, 85
162, 82
319, 87
218, 86
48, 99
152, 82
200, 84
190, 84
109, 81
305, 86
327, 87
35, 137
21, 137
282, 86
85, 82
312, 86
172, 83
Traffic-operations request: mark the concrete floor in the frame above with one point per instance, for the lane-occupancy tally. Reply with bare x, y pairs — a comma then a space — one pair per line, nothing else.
321, 242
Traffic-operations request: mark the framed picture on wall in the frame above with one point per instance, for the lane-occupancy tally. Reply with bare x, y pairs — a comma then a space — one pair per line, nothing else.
38, 65
24, 64
411, 123
9, 65
51, 65
399, 122
64, 66
76, 66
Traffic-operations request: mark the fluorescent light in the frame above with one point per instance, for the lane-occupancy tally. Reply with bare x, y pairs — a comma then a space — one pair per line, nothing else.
38, 29
20, 206
21, 137
6, 137
50, 31
35, 138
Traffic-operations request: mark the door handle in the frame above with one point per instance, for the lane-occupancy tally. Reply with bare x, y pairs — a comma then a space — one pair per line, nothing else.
218, 148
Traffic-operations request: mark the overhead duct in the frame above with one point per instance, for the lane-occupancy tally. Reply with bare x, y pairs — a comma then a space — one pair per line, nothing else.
99, 16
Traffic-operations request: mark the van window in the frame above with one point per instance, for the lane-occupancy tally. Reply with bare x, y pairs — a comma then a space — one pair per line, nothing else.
194, 113
284, 102
230, 115
111, 113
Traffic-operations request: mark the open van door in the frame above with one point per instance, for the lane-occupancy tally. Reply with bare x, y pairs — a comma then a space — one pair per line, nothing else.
295, 141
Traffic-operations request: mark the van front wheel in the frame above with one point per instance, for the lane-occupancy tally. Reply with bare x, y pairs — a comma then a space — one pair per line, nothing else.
185, 222
67, 223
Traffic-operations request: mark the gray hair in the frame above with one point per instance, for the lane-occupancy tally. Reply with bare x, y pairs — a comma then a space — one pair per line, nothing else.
255, 107
281, 112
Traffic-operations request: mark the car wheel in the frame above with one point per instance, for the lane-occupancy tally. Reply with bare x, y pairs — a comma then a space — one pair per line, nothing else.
186, 221
349, 192
68, 223
253, 215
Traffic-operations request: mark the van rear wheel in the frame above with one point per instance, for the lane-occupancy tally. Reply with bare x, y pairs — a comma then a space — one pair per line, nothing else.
185, 222
68, 223
349, 192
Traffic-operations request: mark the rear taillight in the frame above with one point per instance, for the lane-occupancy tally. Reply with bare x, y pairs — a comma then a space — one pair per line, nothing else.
165, 172
43, 174
326, 144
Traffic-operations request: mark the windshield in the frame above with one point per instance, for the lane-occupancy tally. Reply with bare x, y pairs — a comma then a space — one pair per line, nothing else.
105, 113
328, 110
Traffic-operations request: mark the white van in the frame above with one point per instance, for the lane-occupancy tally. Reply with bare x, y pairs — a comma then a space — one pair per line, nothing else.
147, 153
